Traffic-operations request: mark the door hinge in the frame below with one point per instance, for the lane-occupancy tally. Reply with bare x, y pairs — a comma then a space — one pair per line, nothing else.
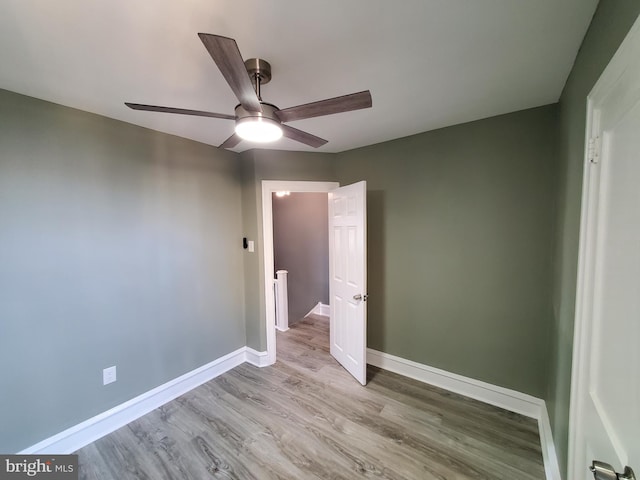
593, 150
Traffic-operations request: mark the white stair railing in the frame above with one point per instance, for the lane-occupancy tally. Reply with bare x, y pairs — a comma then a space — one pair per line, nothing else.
282, 300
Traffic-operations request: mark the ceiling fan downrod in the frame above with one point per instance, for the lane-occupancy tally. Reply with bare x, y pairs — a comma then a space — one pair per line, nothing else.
260, 72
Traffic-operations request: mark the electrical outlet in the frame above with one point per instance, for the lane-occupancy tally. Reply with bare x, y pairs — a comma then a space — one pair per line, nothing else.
109, 375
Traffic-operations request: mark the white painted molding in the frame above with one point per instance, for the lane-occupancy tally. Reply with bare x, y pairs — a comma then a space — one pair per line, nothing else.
104, 423
324, 309
549, 455
281, 285
312, 311
259, 359
511, 400
319, 309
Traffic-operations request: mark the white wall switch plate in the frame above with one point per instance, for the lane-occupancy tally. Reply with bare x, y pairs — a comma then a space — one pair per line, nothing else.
108, 375
251, 247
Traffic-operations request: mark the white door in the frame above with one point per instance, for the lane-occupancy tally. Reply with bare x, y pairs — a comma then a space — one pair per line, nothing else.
348, 277
605, 405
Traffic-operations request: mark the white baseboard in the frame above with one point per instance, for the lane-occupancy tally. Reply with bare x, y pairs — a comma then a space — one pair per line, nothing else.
104, 423
549, 455
324, 310
511, 400
313, 310
319, 309
259, 359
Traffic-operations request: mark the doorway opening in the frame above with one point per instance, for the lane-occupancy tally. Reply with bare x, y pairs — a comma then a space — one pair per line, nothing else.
301, 256
269, 188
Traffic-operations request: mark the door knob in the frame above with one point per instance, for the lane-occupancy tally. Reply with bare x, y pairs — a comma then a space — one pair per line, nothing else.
604, 471
357, 297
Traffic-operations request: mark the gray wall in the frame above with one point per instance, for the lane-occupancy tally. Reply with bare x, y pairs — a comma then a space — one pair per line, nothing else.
301, 246
610, 24
118, 246
259, 165
252, 261
460, 242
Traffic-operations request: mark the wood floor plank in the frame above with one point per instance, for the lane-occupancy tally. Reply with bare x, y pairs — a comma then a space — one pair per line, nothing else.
389, 435
306, 418
313, 420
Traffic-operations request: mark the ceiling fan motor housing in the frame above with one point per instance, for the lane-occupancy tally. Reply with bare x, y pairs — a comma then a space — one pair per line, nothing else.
268, 113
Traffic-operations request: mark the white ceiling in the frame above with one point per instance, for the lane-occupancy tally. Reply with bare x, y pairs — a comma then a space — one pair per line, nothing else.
428, 63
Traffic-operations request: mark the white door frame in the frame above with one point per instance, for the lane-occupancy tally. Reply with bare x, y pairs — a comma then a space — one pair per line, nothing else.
269, 187
589, 232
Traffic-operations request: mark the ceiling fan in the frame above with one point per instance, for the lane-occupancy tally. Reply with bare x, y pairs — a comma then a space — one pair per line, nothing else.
257, 120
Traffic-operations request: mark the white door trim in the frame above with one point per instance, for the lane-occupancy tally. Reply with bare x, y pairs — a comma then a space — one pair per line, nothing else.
269, 187
589, 232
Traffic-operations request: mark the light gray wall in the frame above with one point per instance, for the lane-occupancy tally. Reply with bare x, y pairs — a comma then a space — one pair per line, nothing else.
460, 241
118, 246
259, 165
301, 246
609, 26
252, 261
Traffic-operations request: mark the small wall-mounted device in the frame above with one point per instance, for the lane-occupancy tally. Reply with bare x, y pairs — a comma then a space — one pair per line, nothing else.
248, 244
109, 375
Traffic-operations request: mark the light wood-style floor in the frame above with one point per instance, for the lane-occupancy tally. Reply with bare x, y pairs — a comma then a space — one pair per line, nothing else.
306, 418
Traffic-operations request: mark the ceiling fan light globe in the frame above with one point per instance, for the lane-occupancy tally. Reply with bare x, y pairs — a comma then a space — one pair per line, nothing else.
258, 129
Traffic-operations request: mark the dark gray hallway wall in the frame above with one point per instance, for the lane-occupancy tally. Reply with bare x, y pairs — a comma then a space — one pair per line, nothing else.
611, 22
301, 246
460, 242
118, 246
